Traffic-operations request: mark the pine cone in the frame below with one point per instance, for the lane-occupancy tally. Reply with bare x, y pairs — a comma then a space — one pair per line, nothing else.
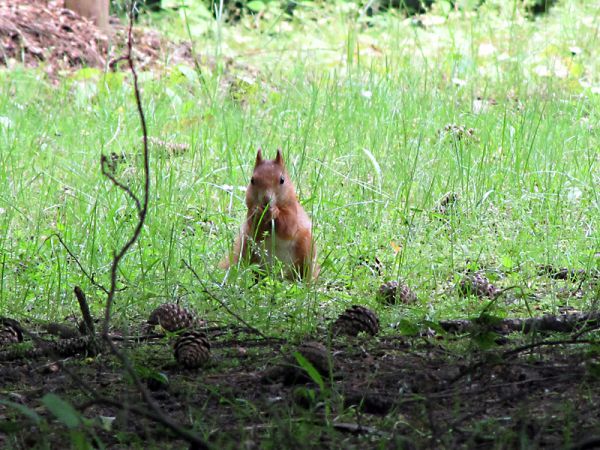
192, 349
83, 328
356, 319
62, 330
561, 273
316, 354
393, 292
69, 347
172, 317
477, 284
10, 331
290, 372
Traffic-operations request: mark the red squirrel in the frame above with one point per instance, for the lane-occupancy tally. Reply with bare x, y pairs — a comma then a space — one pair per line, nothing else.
276, 225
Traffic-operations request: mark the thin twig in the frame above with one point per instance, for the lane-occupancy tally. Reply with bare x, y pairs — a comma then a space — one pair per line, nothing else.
107, 172
223, 304
586, 330
72, 255
142, 208
524, 348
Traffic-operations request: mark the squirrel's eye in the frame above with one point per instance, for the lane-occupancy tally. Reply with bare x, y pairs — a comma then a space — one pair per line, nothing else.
252, 180
281, 179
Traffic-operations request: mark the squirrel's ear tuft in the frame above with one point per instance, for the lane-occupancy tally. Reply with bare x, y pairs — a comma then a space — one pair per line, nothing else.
279, 157
259, 158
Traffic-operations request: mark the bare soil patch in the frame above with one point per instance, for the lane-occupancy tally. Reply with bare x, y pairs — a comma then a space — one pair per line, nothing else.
39, 33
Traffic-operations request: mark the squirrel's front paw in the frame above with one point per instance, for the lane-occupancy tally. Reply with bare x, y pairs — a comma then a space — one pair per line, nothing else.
273, 212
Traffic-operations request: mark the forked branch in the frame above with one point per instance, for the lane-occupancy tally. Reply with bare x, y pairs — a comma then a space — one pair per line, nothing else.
142, 209
141, 206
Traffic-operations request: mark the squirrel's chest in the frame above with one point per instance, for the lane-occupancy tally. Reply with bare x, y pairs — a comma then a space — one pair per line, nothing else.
273, 247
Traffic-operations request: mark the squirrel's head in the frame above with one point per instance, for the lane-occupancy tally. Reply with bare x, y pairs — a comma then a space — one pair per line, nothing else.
270, 183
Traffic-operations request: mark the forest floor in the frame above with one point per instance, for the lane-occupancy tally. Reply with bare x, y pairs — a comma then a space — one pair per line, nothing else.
387, 392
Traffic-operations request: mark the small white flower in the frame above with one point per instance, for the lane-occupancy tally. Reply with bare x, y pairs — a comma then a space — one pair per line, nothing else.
574, 194
560, 70
486, 50
479, 106
542, 71
6, 122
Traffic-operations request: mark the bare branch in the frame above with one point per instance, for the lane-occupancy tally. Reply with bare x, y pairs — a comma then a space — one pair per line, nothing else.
107, 172
142, 208
85, 311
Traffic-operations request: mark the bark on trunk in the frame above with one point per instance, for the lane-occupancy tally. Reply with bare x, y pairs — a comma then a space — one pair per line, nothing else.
96, 10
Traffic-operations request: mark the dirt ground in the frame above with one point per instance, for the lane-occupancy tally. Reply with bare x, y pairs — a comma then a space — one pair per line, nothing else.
386, 392
45, 34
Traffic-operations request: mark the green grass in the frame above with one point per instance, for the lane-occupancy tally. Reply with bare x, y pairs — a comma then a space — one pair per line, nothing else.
359, 120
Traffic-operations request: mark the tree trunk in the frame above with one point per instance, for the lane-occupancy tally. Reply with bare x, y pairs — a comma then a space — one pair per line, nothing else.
96, 10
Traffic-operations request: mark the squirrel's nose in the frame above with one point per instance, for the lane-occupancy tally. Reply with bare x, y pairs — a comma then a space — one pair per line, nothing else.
269, 198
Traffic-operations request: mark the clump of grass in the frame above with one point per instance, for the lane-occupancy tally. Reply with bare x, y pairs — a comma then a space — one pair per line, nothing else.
361, 123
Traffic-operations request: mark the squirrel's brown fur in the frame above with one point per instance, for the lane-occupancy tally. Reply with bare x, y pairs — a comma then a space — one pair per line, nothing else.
276, 225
